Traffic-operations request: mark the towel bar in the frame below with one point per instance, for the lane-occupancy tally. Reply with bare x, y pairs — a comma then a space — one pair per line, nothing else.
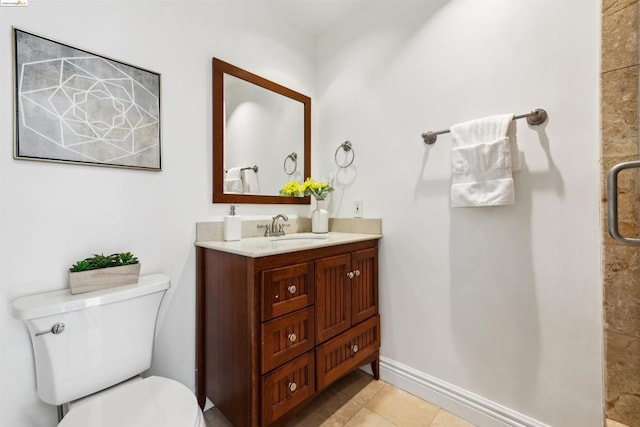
534, 118
253, 168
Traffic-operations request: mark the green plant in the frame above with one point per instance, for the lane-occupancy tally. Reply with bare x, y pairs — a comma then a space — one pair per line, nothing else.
82, 265
104, 261
127, 258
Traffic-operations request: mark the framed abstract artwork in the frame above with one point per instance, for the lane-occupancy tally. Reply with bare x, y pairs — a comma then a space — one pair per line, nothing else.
76, 106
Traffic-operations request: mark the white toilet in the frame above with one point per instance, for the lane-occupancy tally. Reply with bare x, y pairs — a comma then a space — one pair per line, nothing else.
89, 350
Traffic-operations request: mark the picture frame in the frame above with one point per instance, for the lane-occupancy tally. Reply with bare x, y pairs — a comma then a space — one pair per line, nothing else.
74, 106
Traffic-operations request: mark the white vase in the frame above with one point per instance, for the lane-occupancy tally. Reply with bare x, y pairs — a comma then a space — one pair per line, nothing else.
320, 218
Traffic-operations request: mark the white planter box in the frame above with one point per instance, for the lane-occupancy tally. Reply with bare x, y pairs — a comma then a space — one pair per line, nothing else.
93, 280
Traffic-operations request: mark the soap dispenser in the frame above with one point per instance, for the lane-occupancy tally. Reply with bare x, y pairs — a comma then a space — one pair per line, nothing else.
232, 225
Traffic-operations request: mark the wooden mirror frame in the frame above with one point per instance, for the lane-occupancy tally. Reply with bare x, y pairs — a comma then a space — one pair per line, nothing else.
220, 68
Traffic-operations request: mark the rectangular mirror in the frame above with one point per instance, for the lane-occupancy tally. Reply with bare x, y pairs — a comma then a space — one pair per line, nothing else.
261, 137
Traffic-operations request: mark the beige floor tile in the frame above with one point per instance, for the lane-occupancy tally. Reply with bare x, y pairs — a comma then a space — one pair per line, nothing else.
339, 402
309, 419
611, 423
328, 409
343, 415
447, 419
358, 386
214, 418
331, 406
402, 408
367, 418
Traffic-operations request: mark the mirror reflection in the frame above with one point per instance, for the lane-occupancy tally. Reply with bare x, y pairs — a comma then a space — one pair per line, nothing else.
261, 137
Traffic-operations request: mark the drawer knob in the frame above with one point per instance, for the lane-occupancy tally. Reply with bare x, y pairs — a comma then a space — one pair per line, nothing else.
292, 386
292, 337
292, 289
357, 272
350, 275
354, 348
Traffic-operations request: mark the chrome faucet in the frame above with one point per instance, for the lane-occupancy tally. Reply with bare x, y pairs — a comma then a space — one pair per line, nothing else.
276, 228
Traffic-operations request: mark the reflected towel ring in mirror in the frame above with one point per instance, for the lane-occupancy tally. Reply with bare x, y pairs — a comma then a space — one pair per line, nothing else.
346, 146
294, 159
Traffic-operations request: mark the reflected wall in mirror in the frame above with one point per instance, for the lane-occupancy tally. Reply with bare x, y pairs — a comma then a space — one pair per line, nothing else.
261, 137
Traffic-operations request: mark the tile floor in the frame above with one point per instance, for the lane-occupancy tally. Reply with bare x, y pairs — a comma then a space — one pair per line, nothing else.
359, 400
611, 423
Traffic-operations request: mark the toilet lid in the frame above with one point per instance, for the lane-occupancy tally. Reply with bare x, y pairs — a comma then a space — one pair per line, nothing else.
152, 402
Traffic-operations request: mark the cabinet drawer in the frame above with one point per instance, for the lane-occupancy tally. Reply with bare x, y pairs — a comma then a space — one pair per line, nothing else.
347, 351
287, 337
287, 289
287, 387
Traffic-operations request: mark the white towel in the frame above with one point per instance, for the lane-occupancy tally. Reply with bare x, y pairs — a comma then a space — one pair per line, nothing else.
250, 181
233, 181
481, 162
516, 161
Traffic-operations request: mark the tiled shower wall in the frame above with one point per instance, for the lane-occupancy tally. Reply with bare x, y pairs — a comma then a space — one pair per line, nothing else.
619, 91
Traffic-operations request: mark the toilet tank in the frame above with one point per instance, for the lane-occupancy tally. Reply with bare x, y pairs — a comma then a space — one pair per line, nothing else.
107, 338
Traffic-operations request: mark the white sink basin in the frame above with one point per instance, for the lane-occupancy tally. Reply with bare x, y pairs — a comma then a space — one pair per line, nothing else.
300, 237
297, 240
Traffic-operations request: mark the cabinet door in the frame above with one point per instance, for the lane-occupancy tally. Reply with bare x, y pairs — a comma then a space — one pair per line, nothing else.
364, 285
333, 296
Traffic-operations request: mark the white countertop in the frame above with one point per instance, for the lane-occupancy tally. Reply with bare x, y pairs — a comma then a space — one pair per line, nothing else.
256, 247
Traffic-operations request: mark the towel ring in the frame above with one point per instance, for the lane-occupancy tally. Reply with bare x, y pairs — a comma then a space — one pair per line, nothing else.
294, 159
346, 146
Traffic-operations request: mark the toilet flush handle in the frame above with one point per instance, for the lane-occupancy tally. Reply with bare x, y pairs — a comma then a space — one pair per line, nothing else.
56, 329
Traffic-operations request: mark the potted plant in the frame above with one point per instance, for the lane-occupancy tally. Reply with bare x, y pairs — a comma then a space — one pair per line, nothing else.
103, 271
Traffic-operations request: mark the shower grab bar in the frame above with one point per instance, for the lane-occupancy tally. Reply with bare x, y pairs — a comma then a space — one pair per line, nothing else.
534, 118
612, 201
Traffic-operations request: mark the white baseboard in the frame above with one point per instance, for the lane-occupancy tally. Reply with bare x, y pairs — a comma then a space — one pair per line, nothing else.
471, 407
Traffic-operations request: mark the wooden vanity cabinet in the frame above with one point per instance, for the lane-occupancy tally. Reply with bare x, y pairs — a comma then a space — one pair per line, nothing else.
273, 331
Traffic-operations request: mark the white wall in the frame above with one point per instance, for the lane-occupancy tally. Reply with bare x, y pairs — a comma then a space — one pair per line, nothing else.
53, 214
502, 302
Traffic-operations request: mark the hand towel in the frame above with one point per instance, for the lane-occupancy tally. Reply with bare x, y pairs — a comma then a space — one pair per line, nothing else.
233, 181
481, 162
516, 161
250, 181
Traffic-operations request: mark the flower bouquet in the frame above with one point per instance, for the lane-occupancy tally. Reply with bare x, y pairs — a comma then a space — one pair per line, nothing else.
319, 190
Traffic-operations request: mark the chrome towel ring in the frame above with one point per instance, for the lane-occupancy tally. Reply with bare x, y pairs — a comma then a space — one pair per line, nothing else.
347, 147
294, 160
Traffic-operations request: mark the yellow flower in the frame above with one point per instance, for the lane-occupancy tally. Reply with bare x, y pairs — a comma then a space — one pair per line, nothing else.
292, 188
310, 187
318, 189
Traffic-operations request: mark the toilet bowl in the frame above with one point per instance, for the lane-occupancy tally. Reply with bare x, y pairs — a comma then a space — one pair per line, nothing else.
90, 349
149, 402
